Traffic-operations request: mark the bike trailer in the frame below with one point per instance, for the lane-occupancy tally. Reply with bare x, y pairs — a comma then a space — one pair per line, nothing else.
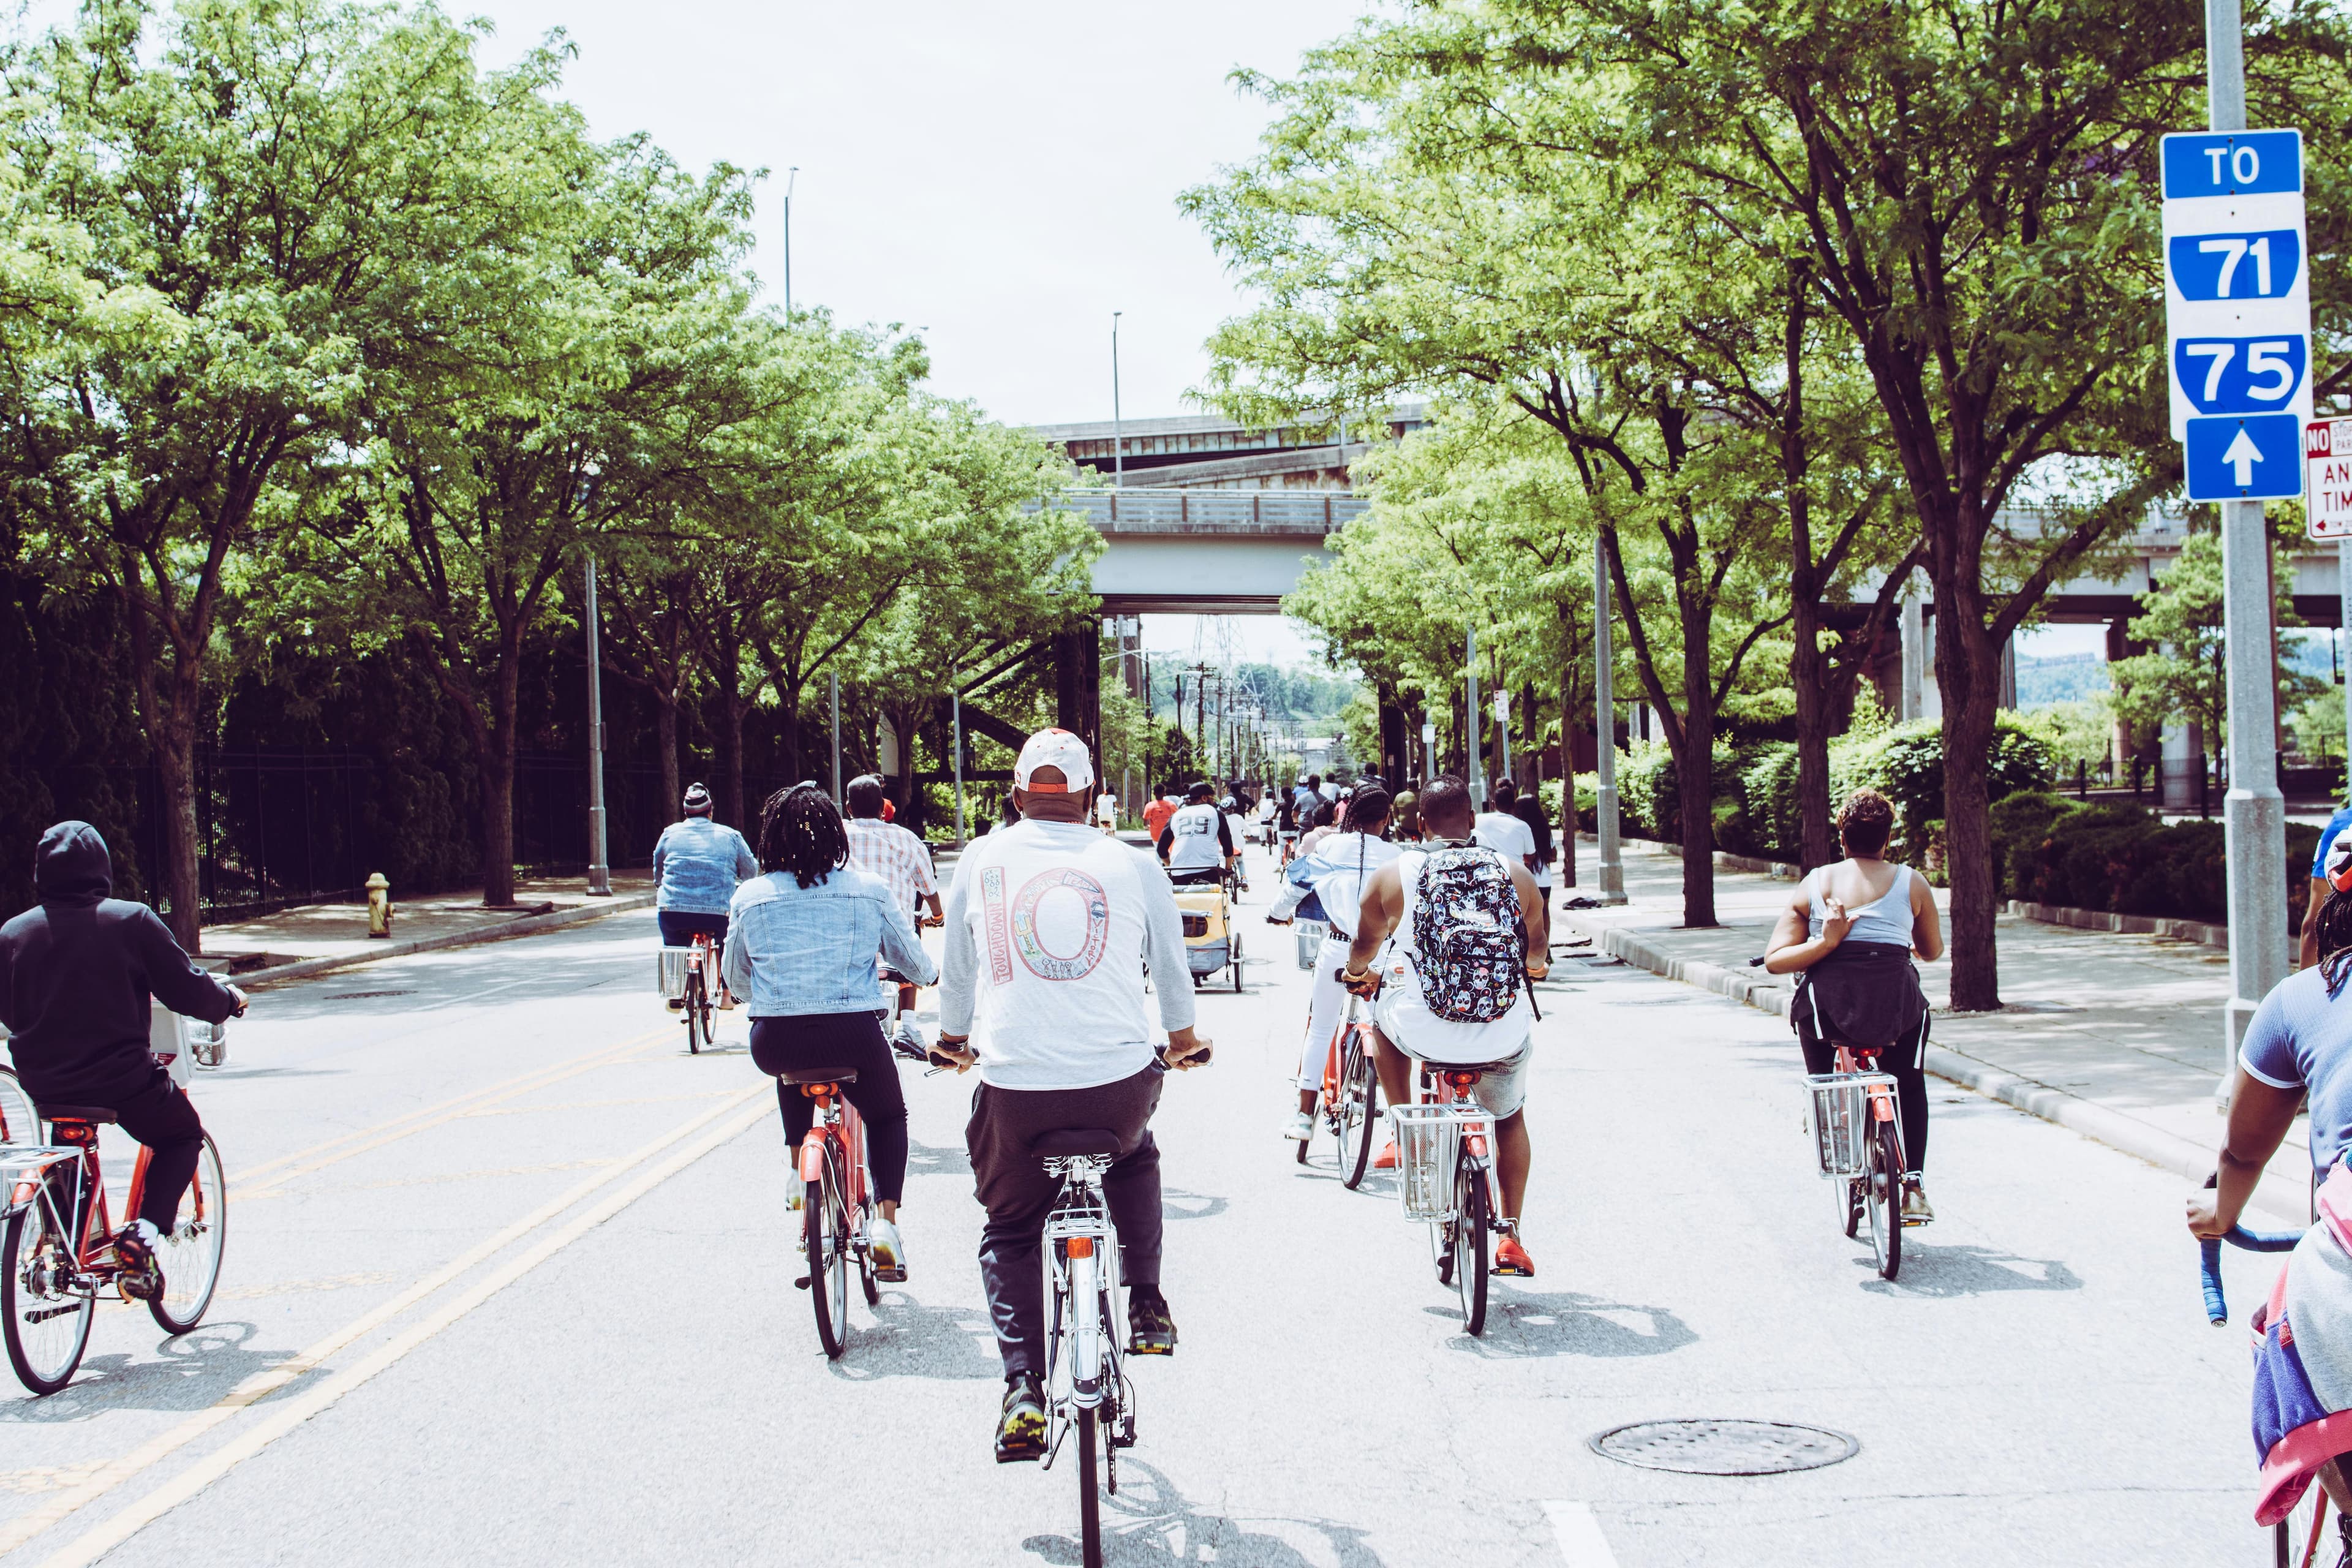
1208, 934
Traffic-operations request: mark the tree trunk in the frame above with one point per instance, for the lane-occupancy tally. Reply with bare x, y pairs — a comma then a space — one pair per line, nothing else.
788, 729
727, 744
666, 742
497, 757
179, 876
1967, 673
1809, 669
1694, 768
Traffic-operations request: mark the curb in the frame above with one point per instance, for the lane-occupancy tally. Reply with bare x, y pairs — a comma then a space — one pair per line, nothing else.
2277, 1196
2134, 925
529, 925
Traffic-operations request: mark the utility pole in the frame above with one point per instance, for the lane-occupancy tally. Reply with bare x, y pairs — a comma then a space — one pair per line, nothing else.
1118, 432
791, 177
600, 872
2253, 813
1604, 723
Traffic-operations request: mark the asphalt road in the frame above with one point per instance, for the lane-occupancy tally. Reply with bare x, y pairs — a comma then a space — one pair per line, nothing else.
509, 1281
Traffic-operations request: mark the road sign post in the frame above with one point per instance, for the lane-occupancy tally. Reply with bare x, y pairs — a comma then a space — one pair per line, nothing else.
2327, 514
2237, 296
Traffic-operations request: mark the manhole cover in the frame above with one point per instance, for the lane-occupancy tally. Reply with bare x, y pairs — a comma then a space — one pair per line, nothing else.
1717, 1448
364, 996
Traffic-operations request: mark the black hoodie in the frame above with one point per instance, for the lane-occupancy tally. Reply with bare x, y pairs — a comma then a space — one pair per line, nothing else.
76, 974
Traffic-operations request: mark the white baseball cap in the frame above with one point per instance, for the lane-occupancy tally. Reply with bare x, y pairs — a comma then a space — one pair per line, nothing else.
1053, 749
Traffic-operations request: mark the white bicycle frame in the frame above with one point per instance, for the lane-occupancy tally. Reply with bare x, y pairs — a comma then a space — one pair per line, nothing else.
1082, 1271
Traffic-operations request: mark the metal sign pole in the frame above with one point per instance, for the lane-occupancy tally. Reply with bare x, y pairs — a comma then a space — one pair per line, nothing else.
600, 870
1474, 774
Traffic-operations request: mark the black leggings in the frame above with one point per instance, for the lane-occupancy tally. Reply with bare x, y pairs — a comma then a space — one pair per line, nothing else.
1903, 1061
852, 1040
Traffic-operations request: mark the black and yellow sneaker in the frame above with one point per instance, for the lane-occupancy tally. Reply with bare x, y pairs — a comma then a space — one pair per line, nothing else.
1149, 1330
141, 1278
1021, 1428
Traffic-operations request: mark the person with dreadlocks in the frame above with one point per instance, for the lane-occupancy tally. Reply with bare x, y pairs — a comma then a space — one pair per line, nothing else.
802, 942
2297, 1055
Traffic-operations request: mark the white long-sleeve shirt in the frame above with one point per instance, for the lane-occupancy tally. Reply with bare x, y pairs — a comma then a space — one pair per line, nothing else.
1049, 926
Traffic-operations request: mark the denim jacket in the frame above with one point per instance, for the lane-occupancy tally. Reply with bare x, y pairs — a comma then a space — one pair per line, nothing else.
794, 950
697, 864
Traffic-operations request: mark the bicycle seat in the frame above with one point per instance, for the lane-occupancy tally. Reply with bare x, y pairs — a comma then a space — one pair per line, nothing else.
76, 1112
818, 1075
1475, 1069
1068, 1142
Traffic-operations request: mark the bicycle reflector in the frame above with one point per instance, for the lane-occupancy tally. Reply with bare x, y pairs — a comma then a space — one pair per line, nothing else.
1081, 1247
75, 1134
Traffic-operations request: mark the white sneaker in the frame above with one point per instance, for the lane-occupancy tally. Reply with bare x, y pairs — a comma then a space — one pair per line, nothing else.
1301, 1127
889, 1253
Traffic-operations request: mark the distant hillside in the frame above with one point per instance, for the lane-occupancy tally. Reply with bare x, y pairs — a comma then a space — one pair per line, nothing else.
2070, 678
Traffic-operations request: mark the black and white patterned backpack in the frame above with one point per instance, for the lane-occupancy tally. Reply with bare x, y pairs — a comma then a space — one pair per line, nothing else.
1467, 939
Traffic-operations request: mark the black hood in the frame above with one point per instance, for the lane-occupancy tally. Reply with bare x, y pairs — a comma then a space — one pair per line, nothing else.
71, 867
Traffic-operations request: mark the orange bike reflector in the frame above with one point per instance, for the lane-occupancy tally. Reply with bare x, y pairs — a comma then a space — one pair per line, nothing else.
1082, 1247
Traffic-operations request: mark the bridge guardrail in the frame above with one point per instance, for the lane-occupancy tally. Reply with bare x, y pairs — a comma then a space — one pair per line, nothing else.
1158, 510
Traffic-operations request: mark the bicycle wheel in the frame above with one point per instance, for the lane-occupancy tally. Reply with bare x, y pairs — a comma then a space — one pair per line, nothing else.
1886, 1202
46, 1327
692, 1007
866, 1279
709, 1005
1089, 1502
18, 1122
191, 1254
829, 1259
1359, 1097
1470, 1243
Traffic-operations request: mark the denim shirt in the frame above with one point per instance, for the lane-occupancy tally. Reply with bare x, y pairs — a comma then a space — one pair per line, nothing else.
794, 950
697, 865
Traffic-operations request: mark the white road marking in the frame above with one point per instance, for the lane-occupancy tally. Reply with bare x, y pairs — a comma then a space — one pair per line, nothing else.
1577, 1529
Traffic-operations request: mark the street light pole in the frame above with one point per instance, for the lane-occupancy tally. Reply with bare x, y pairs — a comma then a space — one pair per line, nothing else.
1117, 434
1470, 759
791, 177
600, 872
1604, 724
2253, 813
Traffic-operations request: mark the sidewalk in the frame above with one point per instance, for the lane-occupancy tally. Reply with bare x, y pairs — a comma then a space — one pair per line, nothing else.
312, 938
2117, 1036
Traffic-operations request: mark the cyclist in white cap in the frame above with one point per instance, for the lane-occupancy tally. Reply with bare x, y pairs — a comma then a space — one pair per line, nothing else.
1049, 925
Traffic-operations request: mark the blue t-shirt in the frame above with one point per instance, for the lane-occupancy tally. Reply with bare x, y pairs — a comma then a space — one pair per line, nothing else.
2301, 1037
2336, 824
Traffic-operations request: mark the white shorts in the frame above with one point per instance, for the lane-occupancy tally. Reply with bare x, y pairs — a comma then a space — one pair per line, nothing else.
1401, 1017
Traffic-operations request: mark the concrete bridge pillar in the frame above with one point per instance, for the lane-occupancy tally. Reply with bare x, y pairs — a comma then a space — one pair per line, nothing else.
1077, 685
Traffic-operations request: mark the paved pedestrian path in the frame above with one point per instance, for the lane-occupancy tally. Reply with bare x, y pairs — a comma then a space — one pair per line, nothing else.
331, 934
2118, 1037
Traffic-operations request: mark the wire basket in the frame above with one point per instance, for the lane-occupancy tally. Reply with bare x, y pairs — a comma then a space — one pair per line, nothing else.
675, 963
207, 1043
1840, 1120
1311, 937
1429, 1139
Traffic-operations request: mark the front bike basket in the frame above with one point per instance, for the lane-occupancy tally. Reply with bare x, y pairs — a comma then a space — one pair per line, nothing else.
673, 963
1311, 935
1840, 1120
1428, 1139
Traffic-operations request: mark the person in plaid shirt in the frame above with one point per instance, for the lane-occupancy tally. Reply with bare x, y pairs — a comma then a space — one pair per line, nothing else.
887, 851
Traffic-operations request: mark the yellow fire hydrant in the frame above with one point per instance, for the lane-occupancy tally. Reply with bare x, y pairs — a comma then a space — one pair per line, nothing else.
379, 905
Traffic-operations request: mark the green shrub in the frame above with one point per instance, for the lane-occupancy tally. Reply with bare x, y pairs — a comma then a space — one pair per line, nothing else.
2124, 859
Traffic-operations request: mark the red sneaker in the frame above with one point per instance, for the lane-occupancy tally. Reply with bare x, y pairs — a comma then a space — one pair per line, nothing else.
1386, 1160
1510, 1257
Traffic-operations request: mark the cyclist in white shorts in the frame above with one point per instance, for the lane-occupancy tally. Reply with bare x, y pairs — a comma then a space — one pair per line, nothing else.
1333, 877
1386, 962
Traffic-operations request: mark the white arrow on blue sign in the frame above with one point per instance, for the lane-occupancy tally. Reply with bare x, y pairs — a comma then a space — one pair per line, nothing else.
2258, 457
2237, 289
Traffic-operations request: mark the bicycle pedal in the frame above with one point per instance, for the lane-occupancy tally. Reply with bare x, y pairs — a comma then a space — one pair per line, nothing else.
801, 1283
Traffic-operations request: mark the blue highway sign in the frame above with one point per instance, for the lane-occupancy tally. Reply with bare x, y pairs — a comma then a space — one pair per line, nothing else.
2257, 457
2240, 376
2262, 266
2233, 164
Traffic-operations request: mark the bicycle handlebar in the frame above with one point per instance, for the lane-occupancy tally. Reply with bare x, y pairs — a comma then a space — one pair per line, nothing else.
2217, 1308
943, 1063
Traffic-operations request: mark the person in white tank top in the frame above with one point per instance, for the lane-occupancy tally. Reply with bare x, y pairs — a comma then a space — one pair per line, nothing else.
1867, 898
1334, 875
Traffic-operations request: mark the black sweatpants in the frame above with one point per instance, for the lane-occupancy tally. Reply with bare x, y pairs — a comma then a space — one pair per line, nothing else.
1906, 1062
1014, 1187
851, 1040
164, 1119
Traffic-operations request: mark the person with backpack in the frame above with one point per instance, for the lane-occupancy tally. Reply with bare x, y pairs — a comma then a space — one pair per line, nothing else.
1449, 939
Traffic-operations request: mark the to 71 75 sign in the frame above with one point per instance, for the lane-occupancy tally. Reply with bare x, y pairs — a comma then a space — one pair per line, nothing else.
2328, 479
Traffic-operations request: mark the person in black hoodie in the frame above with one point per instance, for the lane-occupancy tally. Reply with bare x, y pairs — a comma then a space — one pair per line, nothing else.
78, 976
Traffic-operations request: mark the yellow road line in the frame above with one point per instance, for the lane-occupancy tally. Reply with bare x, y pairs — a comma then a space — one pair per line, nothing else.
601, 1104
261, 1384
104, 1538
269, 1185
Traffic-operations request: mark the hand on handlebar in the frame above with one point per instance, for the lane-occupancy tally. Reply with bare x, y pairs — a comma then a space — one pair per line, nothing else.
1277, 920
954, 1051
243, 1001
1186, 1050
1366, 984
